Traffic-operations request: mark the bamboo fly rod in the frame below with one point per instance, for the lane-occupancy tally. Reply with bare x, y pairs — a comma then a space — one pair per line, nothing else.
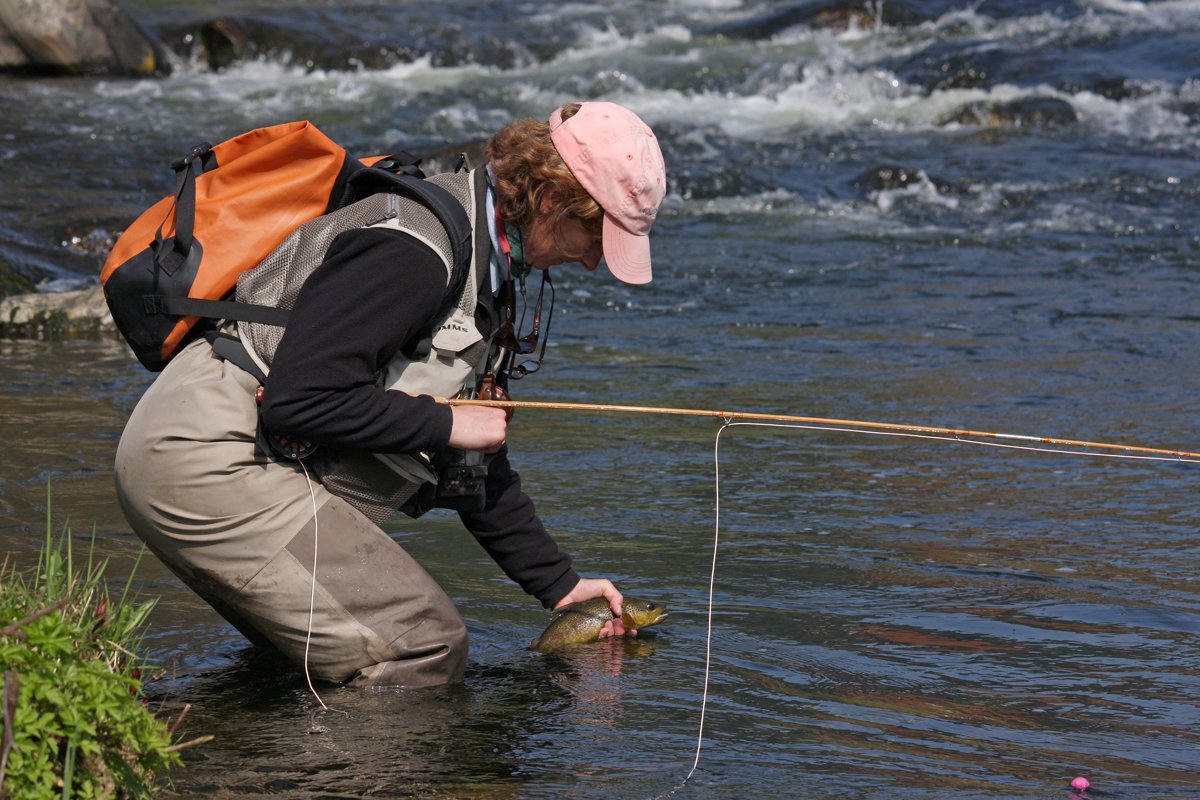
926, 430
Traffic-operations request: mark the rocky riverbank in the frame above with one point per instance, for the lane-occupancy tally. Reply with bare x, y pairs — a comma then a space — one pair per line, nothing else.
42, 315
74, 37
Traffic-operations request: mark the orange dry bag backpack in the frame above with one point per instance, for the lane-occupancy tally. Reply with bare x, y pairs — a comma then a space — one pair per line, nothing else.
233, 204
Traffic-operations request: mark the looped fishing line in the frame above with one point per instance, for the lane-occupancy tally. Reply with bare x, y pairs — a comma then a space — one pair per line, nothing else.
728, 422
312, 594
712, 582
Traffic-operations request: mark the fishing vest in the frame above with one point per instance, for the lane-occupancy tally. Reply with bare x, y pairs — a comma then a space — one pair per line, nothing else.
447, 364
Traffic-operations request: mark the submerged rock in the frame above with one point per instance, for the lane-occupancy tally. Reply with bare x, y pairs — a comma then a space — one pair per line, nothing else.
1035, 112
941, 68
890, 178
1111, 88
341, 38
72, 37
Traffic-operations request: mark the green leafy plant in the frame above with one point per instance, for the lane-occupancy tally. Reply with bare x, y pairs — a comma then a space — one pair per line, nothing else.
75, 721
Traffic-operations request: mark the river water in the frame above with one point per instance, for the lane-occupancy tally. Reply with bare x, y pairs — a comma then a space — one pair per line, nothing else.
897, 617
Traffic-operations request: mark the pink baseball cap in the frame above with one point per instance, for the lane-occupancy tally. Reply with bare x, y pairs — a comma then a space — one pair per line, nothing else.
615, 157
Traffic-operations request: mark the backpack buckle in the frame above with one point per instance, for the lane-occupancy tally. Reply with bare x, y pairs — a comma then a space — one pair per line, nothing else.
401, 163
197, 151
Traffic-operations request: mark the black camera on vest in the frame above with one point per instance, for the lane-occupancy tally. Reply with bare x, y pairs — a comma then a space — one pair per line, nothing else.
462, 478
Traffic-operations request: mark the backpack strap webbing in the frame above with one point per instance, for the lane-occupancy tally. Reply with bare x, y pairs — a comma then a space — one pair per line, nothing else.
214, 309
231, 349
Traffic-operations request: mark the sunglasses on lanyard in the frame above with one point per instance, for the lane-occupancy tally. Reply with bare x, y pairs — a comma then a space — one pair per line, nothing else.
509, 336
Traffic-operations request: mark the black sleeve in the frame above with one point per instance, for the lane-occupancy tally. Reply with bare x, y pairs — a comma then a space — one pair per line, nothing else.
376, 290
511, 533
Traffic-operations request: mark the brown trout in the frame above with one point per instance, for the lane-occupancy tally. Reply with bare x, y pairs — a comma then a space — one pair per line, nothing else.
581, 622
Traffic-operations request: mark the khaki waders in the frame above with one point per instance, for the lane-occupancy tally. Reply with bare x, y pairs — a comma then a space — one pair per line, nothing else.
241, 531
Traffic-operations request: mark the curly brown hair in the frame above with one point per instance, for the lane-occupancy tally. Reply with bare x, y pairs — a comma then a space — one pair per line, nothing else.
528, 169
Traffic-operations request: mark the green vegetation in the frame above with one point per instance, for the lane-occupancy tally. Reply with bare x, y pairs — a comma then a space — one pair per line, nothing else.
75, 722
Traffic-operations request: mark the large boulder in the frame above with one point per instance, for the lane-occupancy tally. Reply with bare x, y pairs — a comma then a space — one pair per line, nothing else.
72, 37
40, 315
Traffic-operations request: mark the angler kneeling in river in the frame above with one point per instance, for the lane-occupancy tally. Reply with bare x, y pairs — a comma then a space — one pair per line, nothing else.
244, 528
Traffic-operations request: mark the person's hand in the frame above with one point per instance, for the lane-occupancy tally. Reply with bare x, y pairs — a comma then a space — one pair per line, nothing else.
478, 428
589, 588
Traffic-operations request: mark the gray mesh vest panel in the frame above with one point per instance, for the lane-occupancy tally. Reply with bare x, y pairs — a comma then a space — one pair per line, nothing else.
276, 281
377, 484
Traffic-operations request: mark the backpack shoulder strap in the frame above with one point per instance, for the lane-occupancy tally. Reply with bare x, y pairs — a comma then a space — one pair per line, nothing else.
440, 202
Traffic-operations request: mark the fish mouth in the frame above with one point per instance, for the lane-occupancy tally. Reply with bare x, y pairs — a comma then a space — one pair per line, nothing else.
649, 619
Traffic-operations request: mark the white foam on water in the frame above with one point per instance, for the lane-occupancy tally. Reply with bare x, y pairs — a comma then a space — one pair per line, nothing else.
269, 77
923, 191
801, 80
780, 90
839, 217
828, 80
609, 41
778, 201
1162, 12
712, 5
838, 85
1153, 118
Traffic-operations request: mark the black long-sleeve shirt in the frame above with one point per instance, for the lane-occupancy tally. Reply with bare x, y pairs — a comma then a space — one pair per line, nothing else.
377, 291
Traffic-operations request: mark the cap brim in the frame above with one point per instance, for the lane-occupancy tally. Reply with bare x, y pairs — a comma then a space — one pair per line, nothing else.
627, 255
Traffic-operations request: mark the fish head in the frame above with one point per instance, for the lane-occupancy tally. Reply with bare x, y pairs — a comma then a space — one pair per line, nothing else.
641, 613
